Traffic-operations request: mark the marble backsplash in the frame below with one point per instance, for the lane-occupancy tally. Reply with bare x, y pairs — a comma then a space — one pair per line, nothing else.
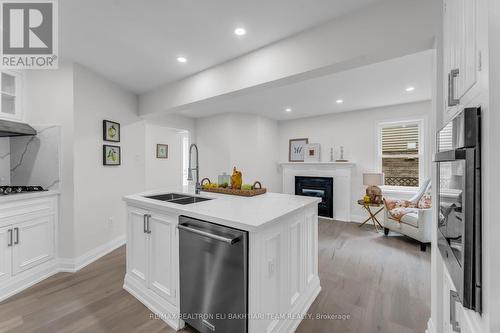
35, 160
4, 161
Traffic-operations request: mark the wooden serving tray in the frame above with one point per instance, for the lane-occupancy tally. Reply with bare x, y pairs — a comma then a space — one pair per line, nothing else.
241, 193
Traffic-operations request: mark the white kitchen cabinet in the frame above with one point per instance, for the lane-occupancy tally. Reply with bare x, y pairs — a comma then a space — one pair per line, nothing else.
461, 54
5, 253
137, 246
28, 233
285, 269
152, 260
282, 256
162, 256
11, 85
470, 55
33, 243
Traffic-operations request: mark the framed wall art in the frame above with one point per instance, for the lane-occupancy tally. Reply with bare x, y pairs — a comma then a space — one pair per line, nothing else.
111, 155
311, 152
161, 151
110, 131
296, 150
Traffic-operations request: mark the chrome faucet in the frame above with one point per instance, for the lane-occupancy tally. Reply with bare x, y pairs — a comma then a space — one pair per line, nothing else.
197, 168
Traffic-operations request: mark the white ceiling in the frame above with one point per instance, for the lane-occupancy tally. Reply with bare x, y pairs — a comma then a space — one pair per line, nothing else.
365, 87
136, 43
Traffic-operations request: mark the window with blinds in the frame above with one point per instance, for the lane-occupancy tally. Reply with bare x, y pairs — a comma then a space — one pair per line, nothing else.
401, 154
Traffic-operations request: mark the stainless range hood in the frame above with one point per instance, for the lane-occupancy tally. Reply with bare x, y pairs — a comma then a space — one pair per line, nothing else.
12, 128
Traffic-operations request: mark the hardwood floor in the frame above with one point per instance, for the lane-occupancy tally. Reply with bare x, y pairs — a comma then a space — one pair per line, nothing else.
381, 283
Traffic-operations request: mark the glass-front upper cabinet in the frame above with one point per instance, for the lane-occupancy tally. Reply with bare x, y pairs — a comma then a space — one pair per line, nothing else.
10, 89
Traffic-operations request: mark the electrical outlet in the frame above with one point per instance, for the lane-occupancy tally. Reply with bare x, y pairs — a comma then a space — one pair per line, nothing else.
110, 221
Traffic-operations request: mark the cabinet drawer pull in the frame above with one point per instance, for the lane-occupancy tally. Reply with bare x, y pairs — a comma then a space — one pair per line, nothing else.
454, 298
452, 101
10, 238
144, 227
17, 236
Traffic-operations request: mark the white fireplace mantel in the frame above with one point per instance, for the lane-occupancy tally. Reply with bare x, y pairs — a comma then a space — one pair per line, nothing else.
320, 164
341, 172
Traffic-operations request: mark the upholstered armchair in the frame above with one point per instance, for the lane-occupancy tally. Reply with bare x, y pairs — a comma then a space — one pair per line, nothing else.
413, 217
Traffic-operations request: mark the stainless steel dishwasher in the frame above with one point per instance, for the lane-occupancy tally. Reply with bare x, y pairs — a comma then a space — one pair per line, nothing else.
213, 276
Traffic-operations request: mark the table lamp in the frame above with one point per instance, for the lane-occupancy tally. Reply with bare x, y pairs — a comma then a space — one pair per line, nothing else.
373, 191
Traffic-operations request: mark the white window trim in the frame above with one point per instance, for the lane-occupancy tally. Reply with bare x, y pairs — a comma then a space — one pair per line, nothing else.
421, 151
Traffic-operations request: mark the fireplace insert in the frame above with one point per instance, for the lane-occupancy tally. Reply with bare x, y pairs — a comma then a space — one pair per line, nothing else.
319, 187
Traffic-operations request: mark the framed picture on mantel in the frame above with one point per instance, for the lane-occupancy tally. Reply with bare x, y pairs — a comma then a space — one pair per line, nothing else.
296, 150
311, 152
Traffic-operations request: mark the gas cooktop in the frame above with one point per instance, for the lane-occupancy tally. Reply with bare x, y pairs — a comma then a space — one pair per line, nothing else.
5, 190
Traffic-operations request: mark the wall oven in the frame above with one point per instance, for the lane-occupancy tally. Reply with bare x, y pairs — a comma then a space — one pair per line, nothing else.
458, 160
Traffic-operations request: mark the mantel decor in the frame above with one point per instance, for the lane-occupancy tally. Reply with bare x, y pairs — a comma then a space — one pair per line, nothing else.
296, 149
311, 152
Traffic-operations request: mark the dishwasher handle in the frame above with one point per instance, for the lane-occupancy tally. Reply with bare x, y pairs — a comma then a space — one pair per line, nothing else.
208, 234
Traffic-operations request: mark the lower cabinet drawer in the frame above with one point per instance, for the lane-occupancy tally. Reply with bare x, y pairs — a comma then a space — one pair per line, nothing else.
15, 211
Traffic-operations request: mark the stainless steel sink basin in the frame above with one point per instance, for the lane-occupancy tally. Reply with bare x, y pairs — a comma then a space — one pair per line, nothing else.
167, 196
181, 199
188, 200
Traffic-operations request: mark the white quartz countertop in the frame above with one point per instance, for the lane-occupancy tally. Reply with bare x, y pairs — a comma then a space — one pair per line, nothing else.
27, 195
247, 213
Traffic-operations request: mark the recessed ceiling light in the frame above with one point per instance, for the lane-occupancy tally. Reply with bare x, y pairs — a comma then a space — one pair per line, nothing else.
339, 101
288, 110
182, 59
410, 89
240, 31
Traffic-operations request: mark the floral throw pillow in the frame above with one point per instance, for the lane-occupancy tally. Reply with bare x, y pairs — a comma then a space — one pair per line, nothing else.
390, 204
426, 201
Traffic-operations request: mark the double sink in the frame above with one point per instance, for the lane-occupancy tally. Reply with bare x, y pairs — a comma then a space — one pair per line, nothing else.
181, 199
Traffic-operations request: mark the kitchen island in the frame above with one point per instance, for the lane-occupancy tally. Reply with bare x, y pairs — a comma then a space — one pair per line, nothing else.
282, 254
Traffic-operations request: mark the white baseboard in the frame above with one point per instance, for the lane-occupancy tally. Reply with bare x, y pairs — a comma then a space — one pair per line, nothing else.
430, 327
74, 265
358, 218
354, 219
28, 278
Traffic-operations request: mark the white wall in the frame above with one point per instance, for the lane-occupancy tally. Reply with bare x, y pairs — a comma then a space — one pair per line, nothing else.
91, 194
49, 101
245, 141
357, 131
163, 172
99, 209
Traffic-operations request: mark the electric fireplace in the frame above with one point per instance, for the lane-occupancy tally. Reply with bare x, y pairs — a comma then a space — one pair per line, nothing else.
319, 187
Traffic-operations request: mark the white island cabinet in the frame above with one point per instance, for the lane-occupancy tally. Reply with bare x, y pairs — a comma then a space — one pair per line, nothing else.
282, 254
